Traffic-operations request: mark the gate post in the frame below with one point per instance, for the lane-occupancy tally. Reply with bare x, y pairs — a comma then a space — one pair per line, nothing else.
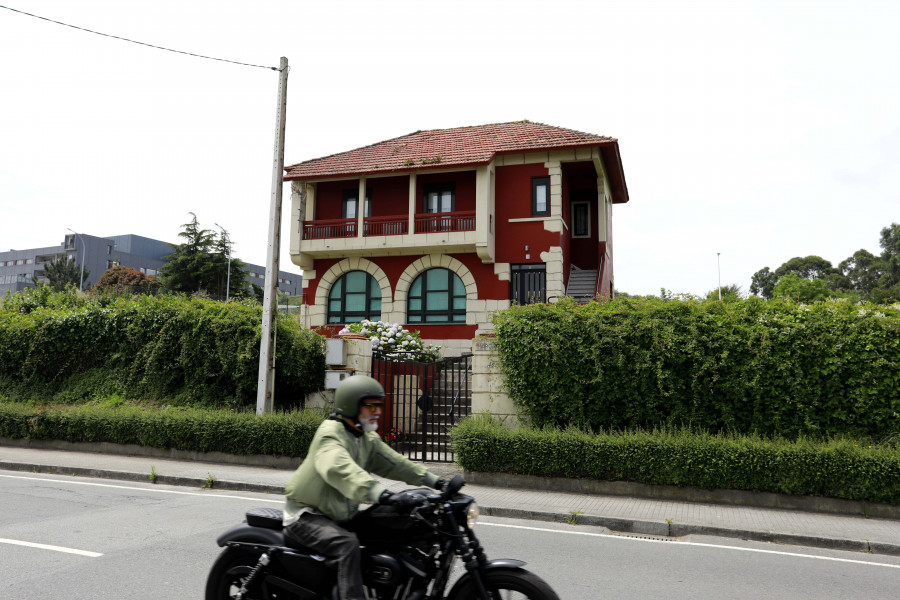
488, 393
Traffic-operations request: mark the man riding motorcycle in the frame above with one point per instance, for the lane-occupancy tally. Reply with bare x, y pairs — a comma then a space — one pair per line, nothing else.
327, 488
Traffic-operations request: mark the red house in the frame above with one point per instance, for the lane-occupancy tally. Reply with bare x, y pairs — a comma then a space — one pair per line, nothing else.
439, 229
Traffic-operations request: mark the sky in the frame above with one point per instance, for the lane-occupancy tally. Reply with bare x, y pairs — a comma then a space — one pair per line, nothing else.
750, 132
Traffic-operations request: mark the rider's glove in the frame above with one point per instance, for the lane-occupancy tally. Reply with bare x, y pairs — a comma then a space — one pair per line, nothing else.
402, 500
457, 482
440, 484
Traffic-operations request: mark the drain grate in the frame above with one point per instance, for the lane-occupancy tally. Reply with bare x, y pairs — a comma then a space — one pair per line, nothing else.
641, 536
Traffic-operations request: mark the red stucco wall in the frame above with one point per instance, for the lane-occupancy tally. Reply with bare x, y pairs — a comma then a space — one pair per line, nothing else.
512, 187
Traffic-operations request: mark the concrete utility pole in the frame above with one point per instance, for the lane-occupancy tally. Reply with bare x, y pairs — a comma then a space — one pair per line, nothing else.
265, 390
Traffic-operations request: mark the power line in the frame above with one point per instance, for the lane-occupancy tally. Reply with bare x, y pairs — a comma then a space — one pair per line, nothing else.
234, 62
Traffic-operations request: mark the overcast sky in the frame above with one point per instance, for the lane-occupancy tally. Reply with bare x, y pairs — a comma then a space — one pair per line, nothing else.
758, 130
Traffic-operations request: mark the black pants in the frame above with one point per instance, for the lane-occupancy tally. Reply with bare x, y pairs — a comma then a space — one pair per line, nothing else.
339, 546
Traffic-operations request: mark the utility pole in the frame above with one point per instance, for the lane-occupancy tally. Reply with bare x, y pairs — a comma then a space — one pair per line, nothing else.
719, 265
265, 389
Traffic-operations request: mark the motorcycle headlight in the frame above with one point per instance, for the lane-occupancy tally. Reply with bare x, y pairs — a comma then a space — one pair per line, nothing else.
472, 515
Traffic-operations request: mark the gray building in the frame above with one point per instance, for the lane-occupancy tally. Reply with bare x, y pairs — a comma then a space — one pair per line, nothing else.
21, 268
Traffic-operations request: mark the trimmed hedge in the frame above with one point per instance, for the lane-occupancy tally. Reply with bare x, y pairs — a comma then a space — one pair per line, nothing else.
751, 366
189, 350
282, 434
836, 469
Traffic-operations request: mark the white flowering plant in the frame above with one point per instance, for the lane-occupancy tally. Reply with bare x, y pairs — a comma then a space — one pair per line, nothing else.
391, 337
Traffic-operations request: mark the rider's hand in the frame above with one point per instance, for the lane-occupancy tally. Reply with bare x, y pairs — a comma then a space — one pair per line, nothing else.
402, 500
456, 482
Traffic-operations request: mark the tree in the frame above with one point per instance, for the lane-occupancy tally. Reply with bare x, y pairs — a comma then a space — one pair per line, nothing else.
730, 293
863, 270
62, 271
802, 290
187, 268
201, 264
763, 283
121, 279
890, 256
807, 267
236, 283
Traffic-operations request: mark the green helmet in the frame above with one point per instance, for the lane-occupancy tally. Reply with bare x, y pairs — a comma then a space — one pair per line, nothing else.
352, 391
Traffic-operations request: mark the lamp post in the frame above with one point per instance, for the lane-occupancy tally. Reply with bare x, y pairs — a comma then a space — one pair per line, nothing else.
227, 249
83, 256
719, 265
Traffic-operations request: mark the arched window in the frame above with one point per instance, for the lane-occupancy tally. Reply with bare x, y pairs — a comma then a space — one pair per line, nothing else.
436, 296
353, 297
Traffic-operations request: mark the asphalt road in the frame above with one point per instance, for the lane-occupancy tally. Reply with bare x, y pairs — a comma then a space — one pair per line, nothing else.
69, 537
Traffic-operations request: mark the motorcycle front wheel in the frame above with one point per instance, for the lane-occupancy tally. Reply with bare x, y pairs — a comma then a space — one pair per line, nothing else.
228, 574
517, 584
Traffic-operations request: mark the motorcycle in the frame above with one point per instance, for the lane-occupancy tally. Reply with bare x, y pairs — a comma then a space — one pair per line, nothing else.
406, 554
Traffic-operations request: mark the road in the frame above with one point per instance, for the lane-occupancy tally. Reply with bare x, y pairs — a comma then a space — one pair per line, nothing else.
69, 537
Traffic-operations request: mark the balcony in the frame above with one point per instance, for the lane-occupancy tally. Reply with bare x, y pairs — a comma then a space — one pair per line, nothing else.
432, 232
449, 221
324, 229
329, 228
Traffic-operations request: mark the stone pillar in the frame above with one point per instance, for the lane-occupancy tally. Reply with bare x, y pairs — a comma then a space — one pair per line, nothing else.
488, 395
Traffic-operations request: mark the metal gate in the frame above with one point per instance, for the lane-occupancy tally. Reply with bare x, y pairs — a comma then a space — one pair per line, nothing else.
424, 399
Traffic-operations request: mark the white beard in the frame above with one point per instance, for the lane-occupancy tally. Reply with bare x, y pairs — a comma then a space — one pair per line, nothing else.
371, 425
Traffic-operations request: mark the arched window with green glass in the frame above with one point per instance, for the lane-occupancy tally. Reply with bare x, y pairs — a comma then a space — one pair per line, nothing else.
436, 296
355, 296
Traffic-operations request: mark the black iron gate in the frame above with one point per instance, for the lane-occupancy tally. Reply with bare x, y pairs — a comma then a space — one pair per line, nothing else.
424, 399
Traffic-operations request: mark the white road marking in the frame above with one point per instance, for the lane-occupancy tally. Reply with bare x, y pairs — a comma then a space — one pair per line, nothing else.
697, 544
209, 494
54, 548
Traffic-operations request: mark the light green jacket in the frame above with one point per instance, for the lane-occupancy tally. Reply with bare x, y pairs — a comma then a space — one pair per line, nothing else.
334, 477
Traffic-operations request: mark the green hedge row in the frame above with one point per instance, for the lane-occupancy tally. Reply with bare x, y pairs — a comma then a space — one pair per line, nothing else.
836, 469
281, 434
190, 350
769, 367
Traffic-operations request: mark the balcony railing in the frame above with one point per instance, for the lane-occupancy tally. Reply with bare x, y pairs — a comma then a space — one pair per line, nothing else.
329, 228
391, 225
397, 225
448, 221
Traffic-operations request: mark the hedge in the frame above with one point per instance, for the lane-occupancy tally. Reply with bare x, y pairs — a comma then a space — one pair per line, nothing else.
769, 367
191, 429
836, 469
190, 350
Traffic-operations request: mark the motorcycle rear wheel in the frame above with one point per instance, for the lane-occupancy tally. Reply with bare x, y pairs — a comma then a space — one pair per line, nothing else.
228, 573
517, 584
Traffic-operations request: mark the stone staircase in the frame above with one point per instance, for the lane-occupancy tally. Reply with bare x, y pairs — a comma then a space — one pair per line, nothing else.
582, 284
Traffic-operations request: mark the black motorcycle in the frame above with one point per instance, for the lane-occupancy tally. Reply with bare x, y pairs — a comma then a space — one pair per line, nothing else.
405, 555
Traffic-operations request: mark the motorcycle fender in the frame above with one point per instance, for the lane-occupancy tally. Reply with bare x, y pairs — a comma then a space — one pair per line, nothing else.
251, 535
501, 563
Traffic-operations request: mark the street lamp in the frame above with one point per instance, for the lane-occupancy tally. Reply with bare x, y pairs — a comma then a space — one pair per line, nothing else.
83, 256
228, 249
719, 265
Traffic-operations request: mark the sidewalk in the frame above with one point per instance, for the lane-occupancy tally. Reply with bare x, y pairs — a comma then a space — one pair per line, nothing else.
618, 513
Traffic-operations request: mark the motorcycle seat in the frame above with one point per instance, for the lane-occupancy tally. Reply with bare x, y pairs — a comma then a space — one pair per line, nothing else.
268, 518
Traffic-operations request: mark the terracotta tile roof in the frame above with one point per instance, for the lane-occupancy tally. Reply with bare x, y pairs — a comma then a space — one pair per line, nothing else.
438, 148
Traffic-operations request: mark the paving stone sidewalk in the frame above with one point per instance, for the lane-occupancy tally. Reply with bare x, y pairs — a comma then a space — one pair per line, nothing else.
619, 513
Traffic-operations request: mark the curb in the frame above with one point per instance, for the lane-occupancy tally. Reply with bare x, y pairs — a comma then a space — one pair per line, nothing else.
674, 530
814, 504
662, 529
